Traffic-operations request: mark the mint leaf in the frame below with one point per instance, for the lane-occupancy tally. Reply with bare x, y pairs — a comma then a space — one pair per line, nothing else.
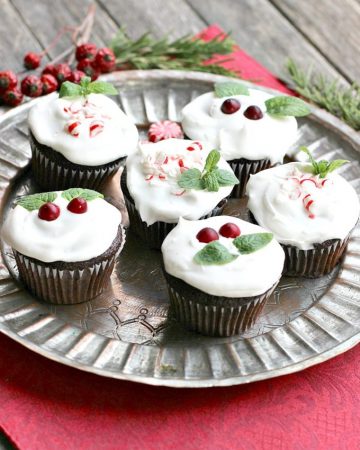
283, 105
191, 179
85, 81
230, 89
214, 254
69, 89
86, 194
323, 167
210, 181
225, 177
35, 201
102, 87
211, 161
250, 243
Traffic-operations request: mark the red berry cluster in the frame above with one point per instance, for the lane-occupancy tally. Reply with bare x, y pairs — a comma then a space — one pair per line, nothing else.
91, 62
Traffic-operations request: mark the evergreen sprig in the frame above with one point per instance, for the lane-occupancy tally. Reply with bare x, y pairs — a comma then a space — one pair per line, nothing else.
185, 53
343, 102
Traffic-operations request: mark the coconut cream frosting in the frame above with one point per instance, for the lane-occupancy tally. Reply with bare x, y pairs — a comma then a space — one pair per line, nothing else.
236, 136
302, 209
152, 180
69, 238
88, 131
246, 276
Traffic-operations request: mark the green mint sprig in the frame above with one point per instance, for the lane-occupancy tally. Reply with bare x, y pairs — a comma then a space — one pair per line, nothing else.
323, 167
211, 178
230, 89
86, 194
284, 105
215, 253
86, 87
35, 201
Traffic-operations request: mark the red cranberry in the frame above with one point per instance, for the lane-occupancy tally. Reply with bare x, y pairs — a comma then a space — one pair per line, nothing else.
32, 60
105, 60
76, 76
253, 112
87, 51
12, 97
87, 66
31, 86
62, 72
230, 230
207, 235
49, 82
49, 69
8, 80
230, 106
78, 205
49, 212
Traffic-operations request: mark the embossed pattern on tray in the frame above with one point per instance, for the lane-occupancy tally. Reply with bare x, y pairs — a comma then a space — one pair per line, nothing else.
126, 332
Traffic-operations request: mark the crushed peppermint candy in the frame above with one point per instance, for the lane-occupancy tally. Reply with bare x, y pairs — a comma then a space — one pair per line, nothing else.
84, 116
166, 129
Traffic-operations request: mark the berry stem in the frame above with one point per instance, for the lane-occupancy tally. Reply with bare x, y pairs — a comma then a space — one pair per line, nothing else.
82, 33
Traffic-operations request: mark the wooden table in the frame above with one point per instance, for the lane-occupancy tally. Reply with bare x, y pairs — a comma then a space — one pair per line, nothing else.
324, 33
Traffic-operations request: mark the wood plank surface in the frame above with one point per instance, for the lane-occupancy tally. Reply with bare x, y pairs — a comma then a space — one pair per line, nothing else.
261, 30
333, 27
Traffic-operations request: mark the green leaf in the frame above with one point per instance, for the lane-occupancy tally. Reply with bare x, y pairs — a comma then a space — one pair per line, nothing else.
250, 243
86, 194
191, 179
230, 89
102, 87
69, 89
214, 253
85, 81
333, 165
283, 105
35, 201
211, 182
323, 167
211, 161
225, 177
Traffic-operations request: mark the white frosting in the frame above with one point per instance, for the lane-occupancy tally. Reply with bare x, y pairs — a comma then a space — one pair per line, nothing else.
113, 133
246, 276
234, 135
70, 238
152, 176
302, 209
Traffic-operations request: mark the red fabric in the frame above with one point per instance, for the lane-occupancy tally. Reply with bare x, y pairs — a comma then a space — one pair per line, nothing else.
45, 406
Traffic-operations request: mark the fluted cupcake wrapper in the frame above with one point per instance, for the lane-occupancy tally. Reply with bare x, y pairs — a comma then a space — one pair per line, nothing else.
52, 174
315, 262
211, 315
243, 168
56, 283
155, 234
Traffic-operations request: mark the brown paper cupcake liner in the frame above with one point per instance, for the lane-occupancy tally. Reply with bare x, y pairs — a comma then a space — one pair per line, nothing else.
243, 168
155, 234
212, 315
52, 171
65, 284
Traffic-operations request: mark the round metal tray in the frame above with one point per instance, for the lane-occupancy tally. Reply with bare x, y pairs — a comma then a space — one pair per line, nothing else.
126, 333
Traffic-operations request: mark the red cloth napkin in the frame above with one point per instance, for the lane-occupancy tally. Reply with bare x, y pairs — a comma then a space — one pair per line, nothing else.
45, 405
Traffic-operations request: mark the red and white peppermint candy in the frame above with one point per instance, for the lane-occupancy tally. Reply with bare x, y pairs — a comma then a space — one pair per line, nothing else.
165, 129
73, 128
196, 145
96, 127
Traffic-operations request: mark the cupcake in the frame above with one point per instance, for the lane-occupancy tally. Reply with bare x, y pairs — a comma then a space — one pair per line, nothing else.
80, 137
310, 210
170, 179
220, 272
65, 243
251, 128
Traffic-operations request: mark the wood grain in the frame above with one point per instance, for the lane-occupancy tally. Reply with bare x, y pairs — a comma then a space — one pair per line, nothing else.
261, 30
331, 26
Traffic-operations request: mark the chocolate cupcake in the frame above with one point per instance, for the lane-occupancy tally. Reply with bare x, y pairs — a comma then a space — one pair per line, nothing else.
65, 243
220, 272
310, 210
79, 139
251, 128
171, 179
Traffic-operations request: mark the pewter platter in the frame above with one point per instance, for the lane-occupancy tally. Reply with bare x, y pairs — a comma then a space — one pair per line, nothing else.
127, 333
